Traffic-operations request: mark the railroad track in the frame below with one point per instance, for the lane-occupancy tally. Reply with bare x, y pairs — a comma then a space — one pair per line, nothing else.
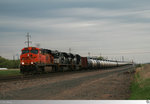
53, 74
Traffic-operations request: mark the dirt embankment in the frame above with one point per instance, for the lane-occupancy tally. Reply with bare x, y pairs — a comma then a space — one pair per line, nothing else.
92, 85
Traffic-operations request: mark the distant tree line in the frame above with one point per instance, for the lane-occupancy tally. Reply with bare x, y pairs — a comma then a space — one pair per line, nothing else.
5, 63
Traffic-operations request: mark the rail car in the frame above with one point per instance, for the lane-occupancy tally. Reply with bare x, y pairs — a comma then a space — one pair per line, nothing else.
35, 60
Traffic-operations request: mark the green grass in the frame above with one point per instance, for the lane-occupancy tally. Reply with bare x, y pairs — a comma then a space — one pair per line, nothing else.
140, 88
9, 72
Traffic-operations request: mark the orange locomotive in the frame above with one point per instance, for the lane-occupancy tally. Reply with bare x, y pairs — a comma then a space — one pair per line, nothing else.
34, 59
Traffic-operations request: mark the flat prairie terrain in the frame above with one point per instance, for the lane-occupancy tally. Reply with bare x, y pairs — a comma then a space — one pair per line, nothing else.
9, 72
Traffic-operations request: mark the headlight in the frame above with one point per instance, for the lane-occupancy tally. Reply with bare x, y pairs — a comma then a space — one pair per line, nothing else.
31, 62
22, 63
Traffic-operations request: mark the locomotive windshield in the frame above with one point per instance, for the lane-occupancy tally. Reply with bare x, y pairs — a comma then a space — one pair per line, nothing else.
25, 51
34, 51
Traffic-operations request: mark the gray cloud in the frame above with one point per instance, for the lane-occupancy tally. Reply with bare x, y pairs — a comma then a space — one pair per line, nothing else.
37, 8
113, 28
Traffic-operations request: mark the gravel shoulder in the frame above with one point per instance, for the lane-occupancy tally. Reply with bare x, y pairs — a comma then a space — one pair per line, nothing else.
91, 85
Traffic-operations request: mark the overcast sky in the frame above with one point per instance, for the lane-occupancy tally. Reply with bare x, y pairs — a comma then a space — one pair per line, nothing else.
112, 28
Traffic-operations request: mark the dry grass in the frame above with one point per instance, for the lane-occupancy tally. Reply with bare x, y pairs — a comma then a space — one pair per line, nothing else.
141, 85
145, 71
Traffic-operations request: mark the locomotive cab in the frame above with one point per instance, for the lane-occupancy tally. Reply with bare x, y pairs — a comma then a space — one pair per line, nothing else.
28, 59
29, 56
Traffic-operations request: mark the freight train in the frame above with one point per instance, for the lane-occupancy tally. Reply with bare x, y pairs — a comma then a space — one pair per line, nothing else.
35, 60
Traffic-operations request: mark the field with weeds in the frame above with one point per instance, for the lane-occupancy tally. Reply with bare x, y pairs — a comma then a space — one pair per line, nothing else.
140, 88
9, 72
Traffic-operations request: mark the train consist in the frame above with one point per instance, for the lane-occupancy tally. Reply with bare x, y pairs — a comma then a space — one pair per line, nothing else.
34, 60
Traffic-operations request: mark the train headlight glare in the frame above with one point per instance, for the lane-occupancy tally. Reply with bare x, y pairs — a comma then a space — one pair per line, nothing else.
22, 63
31, 62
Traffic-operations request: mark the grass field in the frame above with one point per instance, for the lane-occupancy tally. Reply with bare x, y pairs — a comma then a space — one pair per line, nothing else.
9, 72
140, 88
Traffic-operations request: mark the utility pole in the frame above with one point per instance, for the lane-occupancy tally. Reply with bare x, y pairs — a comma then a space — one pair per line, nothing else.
89, 54
13, 57
69, 50
28, 37
17, 56
122, 58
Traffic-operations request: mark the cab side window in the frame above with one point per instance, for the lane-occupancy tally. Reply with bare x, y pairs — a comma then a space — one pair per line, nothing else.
34, 51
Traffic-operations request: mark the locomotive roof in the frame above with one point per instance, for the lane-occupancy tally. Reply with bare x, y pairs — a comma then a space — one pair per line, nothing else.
30, 48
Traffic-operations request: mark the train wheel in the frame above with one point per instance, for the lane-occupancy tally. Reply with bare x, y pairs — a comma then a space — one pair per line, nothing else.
54, 68
21, 71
